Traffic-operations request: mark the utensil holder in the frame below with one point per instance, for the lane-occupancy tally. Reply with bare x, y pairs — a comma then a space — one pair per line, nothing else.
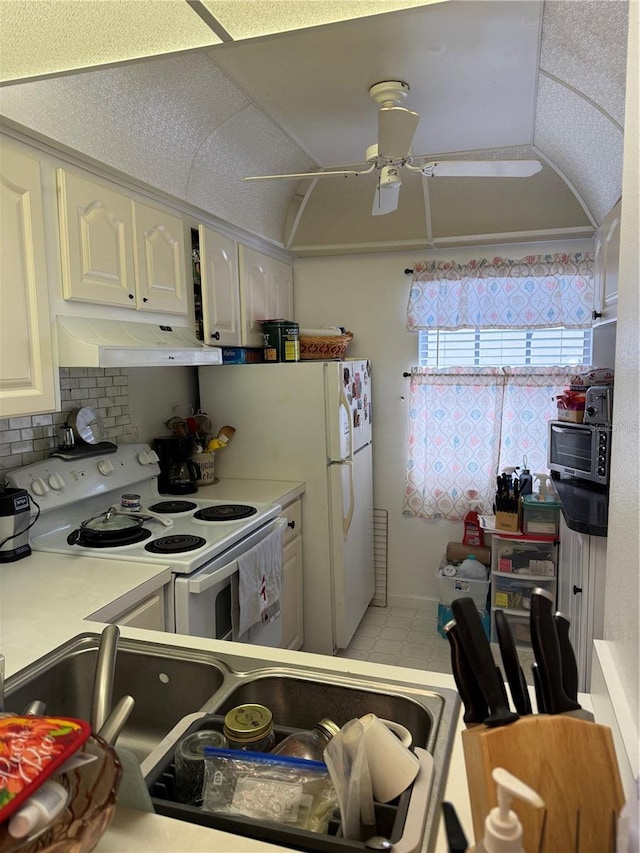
205, 464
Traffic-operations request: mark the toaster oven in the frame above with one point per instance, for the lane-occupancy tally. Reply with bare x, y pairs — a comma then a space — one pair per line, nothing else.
580, 450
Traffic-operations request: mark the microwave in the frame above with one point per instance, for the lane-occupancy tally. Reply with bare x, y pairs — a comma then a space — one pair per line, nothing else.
580, 450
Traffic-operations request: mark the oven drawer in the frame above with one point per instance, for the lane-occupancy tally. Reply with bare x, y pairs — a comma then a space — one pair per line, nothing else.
293, 513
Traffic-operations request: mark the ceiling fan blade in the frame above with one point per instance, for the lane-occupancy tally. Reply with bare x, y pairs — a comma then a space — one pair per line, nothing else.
344, 173
386, 199
396, 127
484, 168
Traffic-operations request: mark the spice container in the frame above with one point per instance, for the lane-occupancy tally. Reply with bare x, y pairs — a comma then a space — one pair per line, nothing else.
250, 727
309, 744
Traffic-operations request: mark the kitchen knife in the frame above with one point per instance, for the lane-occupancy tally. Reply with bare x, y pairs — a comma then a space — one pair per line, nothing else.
546, 649
538, 688
512, 668
569, 664
475, 706
478, 653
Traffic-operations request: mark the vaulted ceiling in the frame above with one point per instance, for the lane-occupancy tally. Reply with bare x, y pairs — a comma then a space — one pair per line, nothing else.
491, 79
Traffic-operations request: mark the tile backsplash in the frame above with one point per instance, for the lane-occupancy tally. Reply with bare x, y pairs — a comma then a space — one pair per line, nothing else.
28, 439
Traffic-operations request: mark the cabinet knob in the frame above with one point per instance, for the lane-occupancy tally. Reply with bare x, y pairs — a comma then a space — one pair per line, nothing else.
291, 524
576, 589
145, 298
595, 315
131, 296
215, 336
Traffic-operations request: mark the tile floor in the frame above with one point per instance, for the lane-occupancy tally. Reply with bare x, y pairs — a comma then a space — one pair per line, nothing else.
406, 637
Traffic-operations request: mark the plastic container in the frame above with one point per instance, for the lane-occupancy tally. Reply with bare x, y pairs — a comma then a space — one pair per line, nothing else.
445, 615
540, 516
450, 588
281, 341
308, 744
502, 827
473, 535
525, 557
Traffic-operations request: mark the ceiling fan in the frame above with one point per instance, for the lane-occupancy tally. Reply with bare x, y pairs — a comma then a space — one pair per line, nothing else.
392, 153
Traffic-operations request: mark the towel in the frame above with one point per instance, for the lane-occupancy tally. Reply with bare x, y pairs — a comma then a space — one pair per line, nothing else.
258, 586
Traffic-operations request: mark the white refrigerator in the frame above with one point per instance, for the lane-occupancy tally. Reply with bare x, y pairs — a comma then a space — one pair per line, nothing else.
309, 421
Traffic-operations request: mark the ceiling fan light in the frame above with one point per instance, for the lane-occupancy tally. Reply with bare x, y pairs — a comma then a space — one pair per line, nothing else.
390, 177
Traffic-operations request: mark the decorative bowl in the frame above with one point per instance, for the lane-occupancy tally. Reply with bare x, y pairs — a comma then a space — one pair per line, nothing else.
325, 347
92, 801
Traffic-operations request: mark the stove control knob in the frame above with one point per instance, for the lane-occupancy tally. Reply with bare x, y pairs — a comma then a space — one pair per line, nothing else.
145, 458
153, 456
56, 482
39, 487
105, 466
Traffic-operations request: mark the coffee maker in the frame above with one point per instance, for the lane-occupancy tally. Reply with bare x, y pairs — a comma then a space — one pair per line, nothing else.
178, 474
15, 515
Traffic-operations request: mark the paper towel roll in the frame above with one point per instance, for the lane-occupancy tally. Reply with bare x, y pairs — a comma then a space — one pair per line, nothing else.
457, 552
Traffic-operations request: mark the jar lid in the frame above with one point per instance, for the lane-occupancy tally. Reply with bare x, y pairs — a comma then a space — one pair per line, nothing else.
191, 747
328, 727
248, 722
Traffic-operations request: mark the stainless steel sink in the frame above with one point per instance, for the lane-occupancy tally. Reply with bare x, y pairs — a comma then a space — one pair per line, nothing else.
166, 683
170, 684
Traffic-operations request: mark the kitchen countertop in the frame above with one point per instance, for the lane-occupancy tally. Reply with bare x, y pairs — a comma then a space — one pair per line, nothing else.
585, 507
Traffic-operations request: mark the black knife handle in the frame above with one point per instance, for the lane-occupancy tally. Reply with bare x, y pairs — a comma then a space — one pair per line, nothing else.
546, 649
472, 696
478, 652
512, 668
569, 664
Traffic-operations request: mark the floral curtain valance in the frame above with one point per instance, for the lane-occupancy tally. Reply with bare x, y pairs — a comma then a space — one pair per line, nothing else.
539, 291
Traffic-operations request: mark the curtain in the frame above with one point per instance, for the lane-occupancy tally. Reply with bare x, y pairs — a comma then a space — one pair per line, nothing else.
467, 424
539, 291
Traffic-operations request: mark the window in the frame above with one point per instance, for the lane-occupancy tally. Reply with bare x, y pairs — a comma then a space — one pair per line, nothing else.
504, 347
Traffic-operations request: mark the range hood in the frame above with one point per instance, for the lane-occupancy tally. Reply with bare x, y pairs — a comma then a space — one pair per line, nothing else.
86, 342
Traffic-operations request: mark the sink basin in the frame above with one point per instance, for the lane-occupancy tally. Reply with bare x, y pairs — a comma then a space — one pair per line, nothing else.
166, 683
300, 702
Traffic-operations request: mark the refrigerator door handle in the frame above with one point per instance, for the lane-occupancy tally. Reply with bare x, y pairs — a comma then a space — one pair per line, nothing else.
346, 425
348, 516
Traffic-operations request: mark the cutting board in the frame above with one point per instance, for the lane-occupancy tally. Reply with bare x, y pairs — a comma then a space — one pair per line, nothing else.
570, 762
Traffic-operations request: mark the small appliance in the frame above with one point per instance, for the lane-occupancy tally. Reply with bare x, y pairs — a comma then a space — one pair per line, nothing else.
14, 524
580, 450
598, 406
178, 473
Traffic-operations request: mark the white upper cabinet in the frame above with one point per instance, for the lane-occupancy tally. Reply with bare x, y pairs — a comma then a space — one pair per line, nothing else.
159, 260
220, 288
117, 251
28, 377
96, 242
266, 293
607, 260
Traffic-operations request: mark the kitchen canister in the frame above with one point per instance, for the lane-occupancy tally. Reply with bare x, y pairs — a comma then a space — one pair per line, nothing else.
205, 466
281, 341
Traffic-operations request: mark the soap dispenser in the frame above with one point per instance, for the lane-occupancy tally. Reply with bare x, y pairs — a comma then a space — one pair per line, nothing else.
502, 829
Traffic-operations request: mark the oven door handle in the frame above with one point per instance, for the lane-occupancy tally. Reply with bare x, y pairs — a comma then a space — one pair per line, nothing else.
555, 428
207, 580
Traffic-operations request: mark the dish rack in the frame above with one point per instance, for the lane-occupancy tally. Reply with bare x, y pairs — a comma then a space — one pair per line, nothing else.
394, 820
324, 347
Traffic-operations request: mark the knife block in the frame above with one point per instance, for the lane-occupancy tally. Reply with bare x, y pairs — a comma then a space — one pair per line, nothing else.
571, 764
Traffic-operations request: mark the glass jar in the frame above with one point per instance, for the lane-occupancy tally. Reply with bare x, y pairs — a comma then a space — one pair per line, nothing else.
308, 744
249, 727
189, 764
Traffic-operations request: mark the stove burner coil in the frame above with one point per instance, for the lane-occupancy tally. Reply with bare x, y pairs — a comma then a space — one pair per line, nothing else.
173, 507
225, 512
176, 544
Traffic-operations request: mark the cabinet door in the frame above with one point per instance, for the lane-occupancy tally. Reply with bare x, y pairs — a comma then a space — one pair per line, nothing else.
255, 299
28, 378
96, 242
148, 614
281, 289
291, 595
159, 260
573, 569
220, 288
607, 260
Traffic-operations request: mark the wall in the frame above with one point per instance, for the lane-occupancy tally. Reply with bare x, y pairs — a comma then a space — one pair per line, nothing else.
133, 404
368, 294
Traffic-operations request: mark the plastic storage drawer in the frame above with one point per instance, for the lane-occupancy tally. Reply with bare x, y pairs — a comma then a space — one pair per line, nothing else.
519, 628
514, 593
517, 556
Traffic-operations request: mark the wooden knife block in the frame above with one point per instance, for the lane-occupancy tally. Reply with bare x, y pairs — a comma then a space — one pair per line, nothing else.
569, 762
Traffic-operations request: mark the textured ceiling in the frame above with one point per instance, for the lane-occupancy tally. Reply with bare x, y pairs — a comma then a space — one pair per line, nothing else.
490, 79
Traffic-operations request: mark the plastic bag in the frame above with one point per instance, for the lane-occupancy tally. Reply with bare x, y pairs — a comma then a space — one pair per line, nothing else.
279, 789
346, 759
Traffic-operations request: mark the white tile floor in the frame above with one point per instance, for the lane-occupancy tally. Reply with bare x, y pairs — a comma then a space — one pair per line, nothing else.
401, 636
